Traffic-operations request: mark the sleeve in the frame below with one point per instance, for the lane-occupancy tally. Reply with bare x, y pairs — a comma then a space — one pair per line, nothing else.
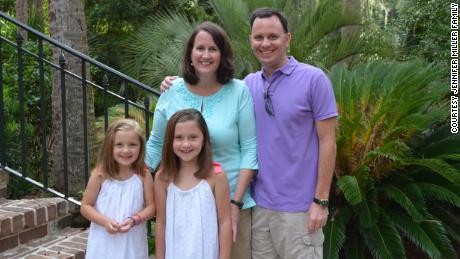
323, 100
217, 168
155, 142
247, 130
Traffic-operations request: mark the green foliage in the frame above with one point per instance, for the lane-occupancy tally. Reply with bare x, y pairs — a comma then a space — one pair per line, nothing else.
424, 29
11, 111
117, 112
7, 6
151, 239
155, 50
394, 181
111, 23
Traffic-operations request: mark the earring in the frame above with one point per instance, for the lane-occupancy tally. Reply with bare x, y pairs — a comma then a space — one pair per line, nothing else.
191, 64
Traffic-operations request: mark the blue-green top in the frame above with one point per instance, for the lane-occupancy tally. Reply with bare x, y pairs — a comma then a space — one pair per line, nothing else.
229, 114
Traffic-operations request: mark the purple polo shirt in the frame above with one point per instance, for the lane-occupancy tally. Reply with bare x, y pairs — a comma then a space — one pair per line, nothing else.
287, 143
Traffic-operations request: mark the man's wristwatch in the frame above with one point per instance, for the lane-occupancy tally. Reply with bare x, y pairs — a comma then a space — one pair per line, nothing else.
322, 202
239, 204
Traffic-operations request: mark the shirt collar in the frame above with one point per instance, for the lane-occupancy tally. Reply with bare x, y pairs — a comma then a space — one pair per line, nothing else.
286, 68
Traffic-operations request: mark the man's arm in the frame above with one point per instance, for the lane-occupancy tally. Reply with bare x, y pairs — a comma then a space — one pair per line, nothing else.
326, 165
167, 83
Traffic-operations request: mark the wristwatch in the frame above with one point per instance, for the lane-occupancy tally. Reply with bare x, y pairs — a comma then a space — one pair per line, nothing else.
239, 204
322, 202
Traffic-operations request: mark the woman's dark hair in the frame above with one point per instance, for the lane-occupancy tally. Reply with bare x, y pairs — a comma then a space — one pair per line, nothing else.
170, 163
225, 71
267, 13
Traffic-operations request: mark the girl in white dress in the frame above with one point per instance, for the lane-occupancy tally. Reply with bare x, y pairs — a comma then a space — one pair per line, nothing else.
119, 197
191, 194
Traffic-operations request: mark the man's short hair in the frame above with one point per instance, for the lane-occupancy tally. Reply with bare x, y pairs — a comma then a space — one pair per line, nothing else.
267, 13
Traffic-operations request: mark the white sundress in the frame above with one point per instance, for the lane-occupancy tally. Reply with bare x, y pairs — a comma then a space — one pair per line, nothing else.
191, 223
119, 200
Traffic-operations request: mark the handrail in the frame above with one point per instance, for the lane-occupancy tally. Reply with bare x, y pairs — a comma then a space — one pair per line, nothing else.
79, 54
21, 171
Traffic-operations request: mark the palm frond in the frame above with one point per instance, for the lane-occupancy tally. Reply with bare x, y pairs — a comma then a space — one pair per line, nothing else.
438, 235
355, 247
437, 192
416, 234
155, 51
449, 221
334, 232
438, 166
383, 239
398, 196
350, 188
437, 141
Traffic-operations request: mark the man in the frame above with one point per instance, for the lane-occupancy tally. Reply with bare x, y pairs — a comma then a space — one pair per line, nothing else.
295, 119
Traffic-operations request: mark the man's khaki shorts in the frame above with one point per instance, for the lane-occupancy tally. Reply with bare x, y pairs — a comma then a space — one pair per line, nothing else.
284, 235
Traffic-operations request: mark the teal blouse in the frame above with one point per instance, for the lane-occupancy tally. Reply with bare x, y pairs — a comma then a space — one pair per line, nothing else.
229, 114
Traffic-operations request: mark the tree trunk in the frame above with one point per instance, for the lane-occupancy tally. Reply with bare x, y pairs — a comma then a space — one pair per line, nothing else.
21, 15
67, 25
350, 7
37, 11
30, 9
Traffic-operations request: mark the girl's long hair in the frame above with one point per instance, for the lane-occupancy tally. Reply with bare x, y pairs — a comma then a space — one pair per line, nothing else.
106, 162
170, 163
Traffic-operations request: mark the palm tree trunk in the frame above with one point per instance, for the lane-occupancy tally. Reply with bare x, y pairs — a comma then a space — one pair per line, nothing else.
67, 25
21, 15
352, 7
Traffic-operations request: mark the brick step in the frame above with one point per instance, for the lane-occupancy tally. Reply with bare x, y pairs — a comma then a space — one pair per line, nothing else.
22, 221
66, 243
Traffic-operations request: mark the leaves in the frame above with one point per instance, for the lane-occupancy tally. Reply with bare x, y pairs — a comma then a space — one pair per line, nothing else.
415, 233
349, 185
383, 239
156, 49
334, 232
398, 196
389, 113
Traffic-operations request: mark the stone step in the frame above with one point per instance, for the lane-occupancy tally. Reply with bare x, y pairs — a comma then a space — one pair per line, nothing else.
22, 221
66, 243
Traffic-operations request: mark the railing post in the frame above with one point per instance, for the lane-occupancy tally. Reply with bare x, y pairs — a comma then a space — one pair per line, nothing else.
125, 94
41, 71
85, 118
2, 114
22, 123
62, 63
105, 85
147, 116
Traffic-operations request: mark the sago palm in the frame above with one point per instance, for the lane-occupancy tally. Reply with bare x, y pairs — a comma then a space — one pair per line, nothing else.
155, 51
395, 181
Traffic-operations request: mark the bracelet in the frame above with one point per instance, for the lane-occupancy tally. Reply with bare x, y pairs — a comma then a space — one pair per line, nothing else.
134, 221
239, 204
140, 219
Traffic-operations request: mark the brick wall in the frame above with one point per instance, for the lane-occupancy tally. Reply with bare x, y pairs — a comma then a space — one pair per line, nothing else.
25, 220
3, 183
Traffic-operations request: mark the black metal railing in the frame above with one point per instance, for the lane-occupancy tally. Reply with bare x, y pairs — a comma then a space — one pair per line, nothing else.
43, 62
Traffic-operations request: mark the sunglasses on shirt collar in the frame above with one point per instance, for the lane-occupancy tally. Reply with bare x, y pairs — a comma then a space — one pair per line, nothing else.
268, 103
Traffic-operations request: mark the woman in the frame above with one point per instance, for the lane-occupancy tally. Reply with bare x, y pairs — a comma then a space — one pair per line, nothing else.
207, 85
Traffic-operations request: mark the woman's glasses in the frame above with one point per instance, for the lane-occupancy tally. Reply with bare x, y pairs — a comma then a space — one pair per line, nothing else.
268, 103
